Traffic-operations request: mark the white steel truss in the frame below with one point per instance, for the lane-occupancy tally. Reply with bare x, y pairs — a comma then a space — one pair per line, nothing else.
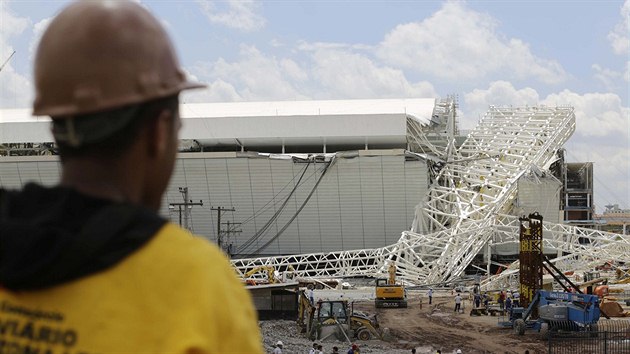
575, 248
466, 207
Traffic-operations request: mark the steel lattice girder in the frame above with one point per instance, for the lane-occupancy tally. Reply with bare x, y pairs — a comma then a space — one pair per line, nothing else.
458, 216
415, 253
506, 143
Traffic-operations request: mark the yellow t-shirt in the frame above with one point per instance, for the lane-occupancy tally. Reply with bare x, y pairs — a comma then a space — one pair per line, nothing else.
176, 294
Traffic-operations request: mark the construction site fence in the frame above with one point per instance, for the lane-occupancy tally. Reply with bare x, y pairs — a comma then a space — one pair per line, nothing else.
599, 342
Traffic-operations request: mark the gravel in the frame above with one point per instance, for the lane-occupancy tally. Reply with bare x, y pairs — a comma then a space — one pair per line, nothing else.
295, 342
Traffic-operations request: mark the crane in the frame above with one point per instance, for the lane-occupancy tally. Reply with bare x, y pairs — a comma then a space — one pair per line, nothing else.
6, 61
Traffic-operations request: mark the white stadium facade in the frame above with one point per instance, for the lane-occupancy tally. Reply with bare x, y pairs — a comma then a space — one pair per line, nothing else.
349, 185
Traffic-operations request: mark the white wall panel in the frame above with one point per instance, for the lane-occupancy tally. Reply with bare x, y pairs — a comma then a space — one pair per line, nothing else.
365, 201
541, 195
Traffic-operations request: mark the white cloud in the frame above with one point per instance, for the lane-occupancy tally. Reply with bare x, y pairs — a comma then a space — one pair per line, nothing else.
238, 14
597, 115
38, 31
499, 93
345, 74
217, 91
602, 136
15, 89
602, 133
253, 77
457, 43
619, 37
329, 71
11, 24
607, 76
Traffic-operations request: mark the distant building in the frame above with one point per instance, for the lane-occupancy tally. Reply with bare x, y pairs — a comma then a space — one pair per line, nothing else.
578, 202
615, 219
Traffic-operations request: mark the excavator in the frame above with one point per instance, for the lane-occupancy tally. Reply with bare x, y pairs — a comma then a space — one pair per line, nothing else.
270, 276
389, 294
332, 319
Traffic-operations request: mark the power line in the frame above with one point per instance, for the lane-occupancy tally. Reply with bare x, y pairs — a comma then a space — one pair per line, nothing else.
273, 201
6, 61
264, 228
296, 213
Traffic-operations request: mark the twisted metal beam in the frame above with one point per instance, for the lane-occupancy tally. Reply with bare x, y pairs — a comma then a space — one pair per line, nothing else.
415, 254
466, 206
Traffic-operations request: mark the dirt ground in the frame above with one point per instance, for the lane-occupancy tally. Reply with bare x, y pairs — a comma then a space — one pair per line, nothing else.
424, 327
439, 327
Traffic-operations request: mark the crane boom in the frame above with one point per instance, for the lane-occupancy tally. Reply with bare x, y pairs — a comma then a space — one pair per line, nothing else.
6, 61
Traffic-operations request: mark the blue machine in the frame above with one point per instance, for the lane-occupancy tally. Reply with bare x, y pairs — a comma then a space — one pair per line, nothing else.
557, 311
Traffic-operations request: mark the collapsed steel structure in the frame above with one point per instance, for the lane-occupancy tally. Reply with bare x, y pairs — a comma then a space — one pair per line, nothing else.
468, 205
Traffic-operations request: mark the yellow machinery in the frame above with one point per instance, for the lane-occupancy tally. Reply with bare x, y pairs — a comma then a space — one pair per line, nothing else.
270, 275
331, 318
271, 278
388, 293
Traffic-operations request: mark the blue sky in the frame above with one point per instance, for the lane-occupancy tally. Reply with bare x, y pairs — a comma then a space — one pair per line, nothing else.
485, 52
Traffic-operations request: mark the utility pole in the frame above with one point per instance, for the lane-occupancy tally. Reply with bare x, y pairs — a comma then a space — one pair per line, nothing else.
187, 204
231, 229
219, 210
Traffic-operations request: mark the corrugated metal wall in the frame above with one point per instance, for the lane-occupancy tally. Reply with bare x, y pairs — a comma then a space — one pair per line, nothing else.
541, 194
364, 201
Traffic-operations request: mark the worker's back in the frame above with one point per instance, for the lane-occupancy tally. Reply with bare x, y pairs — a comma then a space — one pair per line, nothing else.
88, 266
173, 293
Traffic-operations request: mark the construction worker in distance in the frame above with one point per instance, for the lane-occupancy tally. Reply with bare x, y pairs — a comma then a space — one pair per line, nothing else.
392, 274
88, 266
278, 348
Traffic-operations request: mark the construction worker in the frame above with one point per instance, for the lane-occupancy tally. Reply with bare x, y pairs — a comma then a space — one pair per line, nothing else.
501, 300
516, 302
313, 350
392, 274
278, 348
458, 302
354, 349
430, 295
88, 266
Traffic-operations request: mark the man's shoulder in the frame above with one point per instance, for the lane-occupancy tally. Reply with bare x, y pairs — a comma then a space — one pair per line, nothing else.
179, 248
180, 239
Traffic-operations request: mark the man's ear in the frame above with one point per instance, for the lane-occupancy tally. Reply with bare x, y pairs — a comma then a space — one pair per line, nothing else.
160, 133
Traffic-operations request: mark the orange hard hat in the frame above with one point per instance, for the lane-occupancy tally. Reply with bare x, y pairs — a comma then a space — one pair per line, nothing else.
100, 55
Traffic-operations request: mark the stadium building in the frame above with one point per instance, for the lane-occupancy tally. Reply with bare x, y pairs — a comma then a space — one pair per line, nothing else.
279, 178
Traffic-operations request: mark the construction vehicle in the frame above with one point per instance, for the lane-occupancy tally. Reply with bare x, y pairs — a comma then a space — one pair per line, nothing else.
333, 319
548, 311
270, 275
365, 327
388, 293
267, 275
556, 311
252, 278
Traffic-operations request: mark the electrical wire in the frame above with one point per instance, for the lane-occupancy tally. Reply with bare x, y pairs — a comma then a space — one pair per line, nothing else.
273, 201
296, 213
264, 228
